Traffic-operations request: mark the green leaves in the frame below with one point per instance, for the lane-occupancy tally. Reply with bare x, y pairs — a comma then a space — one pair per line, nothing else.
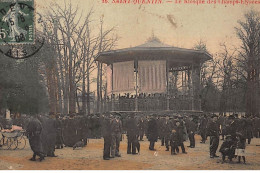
21, 88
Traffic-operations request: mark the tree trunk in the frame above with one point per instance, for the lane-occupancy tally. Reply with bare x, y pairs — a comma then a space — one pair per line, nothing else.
88, 88
98, 87
77, 101
84, 86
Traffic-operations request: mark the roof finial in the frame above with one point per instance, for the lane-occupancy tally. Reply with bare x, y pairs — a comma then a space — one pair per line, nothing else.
152, 34
153, 38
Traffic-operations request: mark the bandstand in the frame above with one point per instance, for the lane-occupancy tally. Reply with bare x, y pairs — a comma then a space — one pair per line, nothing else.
153, 77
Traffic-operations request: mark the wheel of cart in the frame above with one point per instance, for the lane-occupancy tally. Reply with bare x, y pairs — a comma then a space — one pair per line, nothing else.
1, 136
21, 140
4, 143
9, 140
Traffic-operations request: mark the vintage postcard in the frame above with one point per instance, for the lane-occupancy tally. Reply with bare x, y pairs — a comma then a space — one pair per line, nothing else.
129, 85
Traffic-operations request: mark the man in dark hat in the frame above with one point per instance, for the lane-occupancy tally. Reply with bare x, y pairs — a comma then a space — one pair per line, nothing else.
152, 132
180, 136
203, 128
34, 130
116, 131
59, 140
132, 130
106, 131
213, 131
191, 128
141, 128
228, 148
232, 126
183, 125
249, 129
256, 126
167, 131
224, 121
162, 128
48, 135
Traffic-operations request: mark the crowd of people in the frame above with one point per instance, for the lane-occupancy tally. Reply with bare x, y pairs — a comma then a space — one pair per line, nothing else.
149, 102
47, 133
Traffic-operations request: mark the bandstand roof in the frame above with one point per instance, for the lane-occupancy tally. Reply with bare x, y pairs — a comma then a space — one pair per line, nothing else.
155, 50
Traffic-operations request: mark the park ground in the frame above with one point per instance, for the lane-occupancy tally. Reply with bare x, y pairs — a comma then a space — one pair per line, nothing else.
90, 158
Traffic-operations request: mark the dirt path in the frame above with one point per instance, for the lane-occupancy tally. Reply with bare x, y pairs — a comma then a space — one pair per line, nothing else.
90, 158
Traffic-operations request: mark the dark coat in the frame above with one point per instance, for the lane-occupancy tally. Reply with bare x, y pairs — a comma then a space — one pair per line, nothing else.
141, 125
167, 127
34, 130
106, 128
152, 131
232, 127
160, 124
132, 129
174, 139
213, 129
48, 135
180, 134
228, 148
59, 140
116, 127
190, 126
249, 128
69, 132
203, 123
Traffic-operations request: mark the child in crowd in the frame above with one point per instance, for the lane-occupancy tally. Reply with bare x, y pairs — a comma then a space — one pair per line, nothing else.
240, 148
173, 142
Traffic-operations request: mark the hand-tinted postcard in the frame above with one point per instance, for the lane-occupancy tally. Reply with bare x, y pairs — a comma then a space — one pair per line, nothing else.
129, 85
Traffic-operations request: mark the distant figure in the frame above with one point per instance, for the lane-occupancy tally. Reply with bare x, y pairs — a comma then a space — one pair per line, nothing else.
141, 128
106, 131
132, 132
180, 136
48, 135
191, 128
152, 133
249, 129
224, 126
116, 131
213, 131
203, 128
241, 140
173, 142
34, 130
228, 148
167, 131
59, 141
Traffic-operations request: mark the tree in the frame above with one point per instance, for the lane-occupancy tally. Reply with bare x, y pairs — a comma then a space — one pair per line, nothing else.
209, 80
226, 70
249, 34
76, 41
22, 86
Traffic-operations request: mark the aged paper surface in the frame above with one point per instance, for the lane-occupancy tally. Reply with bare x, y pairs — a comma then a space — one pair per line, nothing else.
63, 71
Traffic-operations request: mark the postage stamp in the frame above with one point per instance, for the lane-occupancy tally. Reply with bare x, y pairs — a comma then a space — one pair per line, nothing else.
17, 21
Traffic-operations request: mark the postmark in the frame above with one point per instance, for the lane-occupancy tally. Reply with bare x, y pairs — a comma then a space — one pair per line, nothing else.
18, 36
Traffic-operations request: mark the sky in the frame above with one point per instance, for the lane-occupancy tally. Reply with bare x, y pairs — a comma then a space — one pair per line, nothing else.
181, 25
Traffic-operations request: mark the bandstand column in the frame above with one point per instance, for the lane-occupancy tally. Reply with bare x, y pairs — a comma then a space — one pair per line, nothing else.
167, 85
189, 88
136, 84
112, 93
196, 103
